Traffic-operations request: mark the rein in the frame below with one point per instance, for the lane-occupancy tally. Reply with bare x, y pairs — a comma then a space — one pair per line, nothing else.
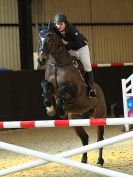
73, 62
58, 65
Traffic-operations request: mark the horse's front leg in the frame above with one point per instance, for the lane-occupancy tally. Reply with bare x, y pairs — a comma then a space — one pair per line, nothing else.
60, 100
100, 133
47, 98
84, 139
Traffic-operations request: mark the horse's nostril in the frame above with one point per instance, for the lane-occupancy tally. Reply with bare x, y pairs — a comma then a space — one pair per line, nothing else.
41, 61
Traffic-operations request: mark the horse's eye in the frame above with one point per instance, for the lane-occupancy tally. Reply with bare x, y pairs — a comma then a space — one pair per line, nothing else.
42, 34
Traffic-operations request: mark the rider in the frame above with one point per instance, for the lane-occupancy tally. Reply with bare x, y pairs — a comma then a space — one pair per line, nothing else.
76, 42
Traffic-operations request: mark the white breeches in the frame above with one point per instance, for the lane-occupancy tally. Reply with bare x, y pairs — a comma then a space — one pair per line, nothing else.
83, 55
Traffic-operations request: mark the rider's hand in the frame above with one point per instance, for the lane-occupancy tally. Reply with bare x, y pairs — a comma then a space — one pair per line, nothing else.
64, 42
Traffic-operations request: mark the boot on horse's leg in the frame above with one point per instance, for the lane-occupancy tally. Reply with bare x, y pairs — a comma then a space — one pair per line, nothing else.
90, 82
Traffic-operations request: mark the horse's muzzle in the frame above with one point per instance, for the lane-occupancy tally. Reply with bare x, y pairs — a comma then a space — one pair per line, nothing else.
41, 61
42, 57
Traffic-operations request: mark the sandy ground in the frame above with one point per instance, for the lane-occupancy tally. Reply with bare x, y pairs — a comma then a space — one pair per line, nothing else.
118, 157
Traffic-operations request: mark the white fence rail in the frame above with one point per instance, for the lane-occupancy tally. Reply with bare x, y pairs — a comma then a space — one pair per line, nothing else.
60, 158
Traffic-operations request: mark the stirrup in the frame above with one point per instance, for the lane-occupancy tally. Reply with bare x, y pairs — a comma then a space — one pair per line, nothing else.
92, 93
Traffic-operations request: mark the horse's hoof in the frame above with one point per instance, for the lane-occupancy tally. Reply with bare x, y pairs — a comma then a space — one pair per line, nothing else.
84, 160
51, 111
100, 162
99, 165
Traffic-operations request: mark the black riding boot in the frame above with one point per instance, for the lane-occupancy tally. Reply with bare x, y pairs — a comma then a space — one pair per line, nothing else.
90, 82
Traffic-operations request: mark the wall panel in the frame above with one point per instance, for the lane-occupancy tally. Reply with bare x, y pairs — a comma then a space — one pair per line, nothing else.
35, 39
113, 44
103, 11
9, 50
76, 10
110, 11
8, 11
9, 35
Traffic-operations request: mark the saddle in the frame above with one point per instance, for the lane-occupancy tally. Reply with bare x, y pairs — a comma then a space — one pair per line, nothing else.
84, 76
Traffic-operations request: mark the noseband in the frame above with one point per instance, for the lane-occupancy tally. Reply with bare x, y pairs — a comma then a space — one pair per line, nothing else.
43, 34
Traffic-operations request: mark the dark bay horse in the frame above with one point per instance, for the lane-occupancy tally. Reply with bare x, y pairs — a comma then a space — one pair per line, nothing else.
64, 88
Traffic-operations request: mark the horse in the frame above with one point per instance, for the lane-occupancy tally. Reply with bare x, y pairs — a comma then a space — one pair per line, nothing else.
64, 89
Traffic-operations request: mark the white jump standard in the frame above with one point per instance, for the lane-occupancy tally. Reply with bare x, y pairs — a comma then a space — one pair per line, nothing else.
127, 91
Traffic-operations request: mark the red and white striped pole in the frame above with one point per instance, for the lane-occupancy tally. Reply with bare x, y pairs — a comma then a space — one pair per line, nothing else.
111, 65
66, 123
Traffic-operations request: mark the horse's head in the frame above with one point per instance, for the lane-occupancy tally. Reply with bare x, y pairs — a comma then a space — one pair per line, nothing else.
47, 42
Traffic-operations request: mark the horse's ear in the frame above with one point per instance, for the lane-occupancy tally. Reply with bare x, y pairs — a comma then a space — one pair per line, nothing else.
43, 27
38, 27
50, 26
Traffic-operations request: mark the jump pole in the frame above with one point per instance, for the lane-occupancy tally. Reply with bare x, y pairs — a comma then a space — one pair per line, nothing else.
58, 158
67, 123
94, 65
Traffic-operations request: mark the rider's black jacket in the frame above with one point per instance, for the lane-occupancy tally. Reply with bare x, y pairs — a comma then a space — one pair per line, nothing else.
74, 38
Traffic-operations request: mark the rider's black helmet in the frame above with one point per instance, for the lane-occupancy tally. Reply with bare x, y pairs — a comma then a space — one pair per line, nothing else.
58, 18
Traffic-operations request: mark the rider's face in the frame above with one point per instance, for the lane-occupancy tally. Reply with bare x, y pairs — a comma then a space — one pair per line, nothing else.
60, 26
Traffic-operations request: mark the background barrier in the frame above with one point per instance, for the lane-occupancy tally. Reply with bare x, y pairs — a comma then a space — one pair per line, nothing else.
21, 93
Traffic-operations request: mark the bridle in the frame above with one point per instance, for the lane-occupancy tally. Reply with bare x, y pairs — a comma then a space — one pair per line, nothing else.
41, 50
42, 36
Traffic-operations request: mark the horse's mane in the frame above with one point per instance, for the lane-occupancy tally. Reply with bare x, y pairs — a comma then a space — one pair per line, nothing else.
59, 36
57, 32
46, 29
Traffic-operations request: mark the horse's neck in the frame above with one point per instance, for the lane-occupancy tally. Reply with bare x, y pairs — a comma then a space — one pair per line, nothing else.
62, 56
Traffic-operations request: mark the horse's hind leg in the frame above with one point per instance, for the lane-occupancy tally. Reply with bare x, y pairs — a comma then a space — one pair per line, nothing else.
100, 133
84, 139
